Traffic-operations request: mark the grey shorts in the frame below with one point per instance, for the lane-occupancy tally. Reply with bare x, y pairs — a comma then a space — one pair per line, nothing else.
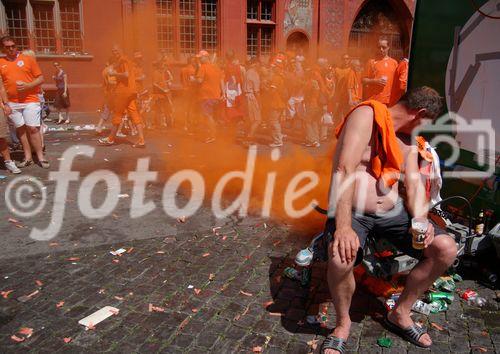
393, 226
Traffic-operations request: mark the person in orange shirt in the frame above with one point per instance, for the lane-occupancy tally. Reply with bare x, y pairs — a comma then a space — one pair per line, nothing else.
380, 74
22, 78
124, 98
400, 81
276, 98
188, 74
211, 91
354, 84
341, 98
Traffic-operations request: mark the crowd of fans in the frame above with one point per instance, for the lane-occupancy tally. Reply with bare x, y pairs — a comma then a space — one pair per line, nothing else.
217, 93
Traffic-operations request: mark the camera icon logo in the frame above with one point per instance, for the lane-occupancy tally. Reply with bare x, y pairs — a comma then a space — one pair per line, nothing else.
457, 136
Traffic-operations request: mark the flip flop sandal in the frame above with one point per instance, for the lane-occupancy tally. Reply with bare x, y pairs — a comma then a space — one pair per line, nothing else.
411, 334
334, 343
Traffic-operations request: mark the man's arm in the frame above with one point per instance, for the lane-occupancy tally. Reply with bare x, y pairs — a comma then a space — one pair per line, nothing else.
352, 143
417, 202
4, 100
29, 85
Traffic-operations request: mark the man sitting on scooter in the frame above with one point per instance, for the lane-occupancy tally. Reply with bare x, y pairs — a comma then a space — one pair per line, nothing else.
377, 187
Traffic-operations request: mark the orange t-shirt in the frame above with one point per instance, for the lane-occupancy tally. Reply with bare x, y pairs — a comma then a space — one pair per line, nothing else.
210, 88
277, 92
355, 86
24, 68
400, 81
186, 73
376, 69
124, 65
341, 76
388, 161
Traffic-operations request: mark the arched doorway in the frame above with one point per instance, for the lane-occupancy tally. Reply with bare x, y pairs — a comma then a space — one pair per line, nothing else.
378, 18
298, 42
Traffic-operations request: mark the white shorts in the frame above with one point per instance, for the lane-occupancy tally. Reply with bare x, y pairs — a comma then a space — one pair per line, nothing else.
29, 114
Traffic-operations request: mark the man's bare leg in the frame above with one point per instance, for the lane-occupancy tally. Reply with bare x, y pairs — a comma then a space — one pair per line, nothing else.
342, 285
437, 258
22, 134
36, 141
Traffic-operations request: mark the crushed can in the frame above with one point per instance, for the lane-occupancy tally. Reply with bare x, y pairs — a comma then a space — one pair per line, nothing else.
468, 294
421, 307
304, 257
438, 306
390, 304
292, 273
445, 284
448, 297
305, 278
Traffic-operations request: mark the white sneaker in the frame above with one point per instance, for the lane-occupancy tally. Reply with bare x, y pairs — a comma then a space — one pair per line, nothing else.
11, 166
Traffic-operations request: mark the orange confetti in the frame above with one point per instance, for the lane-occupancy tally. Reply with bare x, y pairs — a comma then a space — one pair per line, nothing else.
153, 308
26, 331
73, 259
14, 221
17, 339
5, 294
276, 243
257, 349
197, 291
181, 219
224, 238
53, 244
67, 339
245, 293
130, 250
119, 298
436, 326
211, 276
205, 255
274, 314
116, 261
60, 304
183, 323
38, 282
160, 252
194, 310
267, 304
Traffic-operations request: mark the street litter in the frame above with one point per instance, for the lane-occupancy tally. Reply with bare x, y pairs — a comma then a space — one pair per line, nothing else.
98, 316
38, 282
205, 255
153, 308
73, 259
5, 294
197, 291
473, 298
215, 230
25, 333
67, 339
3, 177
245, 293
384, 342
60, 304
257, 349
125, 195
211, 277
436, 326
190, 286
28, 297
118, 252
313, 343
181, 219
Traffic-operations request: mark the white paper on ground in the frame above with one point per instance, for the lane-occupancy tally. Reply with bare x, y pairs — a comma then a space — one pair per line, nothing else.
98, 316
117, 252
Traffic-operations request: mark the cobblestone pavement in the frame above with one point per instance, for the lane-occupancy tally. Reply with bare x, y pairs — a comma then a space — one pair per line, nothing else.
220, 293
212, 291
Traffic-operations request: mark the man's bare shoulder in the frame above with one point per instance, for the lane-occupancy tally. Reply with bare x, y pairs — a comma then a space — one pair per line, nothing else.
362, 113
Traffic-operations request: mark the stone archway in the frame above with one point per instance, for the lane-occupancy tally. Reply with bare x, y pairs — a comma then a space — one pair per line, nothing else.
375, 19
298, 42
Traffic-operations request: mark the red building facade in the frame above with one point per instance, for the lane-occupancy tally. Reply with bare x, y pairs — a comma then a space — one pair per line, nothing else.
80, 33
